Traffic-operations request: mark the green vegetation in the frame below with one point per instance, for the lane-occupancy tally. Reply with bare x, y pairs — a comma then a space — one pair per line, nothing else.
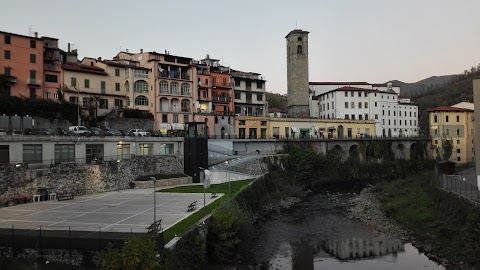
136, 253
447, 223
183, 226
276, 101
136, 113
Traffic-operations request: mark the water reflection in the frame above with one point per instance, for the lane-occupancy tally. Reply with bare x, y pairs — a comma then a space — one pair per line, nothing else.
351, 254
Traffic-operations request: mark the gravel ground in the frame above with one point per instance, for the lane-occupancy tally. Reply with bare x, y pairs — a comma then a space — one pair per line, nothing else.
366, 208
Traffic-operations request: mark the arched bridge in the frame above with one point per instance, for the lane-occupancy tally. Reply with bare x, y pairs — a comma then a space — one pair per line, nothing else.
363, 149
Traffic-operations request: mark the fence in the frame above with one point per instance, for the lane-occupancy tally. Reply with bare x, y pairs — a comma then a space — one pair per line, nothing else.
462, 185
68, 239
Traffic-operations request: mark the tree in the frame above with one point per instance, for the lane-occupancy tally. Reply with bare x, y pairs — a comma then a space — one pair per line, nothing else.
136, 254
447, 147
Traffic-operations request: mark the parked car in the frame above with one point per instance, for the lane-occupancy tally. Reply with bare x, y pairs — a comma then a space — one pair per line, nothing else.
96, 131
14, 132
155, 133
126, 133
112, 132
80, 130
139, 132
40, 131
61, 131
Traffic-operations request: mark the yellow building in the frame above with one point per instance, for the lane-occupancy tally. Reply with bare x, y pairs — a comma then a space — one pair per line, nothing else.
453, 123
301, 128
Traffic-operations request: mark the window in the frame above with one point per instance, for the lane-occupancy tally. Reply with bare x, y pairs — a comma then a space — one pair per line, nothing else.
299, 49
6, 54
237, 95
33, 74
436, 142
360, 117
146, 149
365, 94
73, 81
51, 78
8, 39
458, 118
353, 116
347, 116
237, 82
259, 85
33, 44
174, 88
164, 118
64, 153
123, 151
33, 92
458, 151
32, 153
458, 159
117, 87
186, 119
458, 132
86, 83
33, 58
248, 85
103, 103
375, 104
446, 118
458, 141
447, 132
259, 97
140, 87
346, 94
376, 116
185, 89
7, 71
103, 86
359, 94
117, 72
388, 112
163, 87
166, 149
366, 116
118, 103
175, 118
241, 122
351, 94
435, 119
359, 105
140, 73
141, 101
346, 104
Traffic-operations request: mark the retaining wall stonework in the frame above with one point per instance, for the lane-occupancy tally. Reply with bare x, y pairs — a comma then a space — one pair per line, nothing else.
87, 179
163, 182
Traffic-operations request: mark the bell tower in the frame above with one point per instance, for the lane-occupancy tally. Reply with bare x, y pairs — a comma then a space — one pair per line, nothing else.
297, 74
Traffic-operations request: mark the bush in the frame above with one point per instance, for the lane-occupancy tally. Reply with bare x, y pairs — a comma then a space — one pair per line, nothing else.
136, 113
136, 253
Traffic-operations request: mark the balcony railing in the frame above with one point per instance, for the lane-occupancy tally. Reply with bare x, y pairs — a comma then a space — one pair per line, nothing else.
221, 99
185, 76
221, 84
185, 109
11, 79
32, 81
224, 113
249, 101
204, 98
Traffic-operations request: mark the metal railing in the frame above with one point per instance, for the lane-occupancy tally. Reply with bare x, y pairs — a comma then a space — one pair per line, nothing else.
464, 186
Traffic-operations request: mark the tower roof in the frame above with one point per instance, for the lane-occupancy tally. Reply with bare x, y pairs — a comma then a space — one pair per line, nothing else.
297, 31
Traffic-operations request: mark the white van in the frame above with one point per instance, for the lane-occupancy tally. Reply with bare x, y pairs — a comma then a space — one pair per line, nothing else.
80, 130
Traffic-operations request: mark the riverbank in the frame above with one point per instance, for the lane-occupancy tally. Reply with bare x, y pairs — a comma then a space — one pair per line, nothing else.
443, 226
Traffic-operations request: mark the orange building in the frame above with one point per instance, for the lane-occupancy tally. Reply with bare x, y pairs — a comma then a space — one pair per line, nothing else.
21, 58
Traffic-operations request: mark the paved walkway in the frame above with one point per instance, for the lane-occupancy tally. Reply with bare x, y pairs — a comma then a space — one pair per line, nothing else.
129, 210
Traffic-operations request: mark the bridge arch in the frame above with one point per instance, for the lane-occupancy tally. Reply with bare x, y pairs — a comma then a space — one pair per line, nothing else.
369, 153
400, 151
354, 153
337, 152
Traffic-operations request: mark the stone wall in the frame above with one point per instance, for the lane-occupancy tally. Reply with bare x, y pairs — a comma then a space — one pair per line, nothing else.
163, 182
88, 179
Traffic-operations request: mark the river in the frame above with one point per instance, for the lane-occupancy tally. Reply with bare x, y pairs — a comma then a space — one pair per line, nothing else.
317, 233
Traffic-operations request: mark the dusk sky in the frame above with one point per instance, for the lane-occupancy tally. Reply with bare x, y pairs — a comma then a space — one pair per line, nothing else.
370, 40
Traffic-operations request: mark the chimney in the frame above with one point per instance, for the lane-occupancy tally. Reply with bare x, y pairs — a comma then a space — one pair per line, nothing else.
36, 34
99, 58
69, 47
141, 50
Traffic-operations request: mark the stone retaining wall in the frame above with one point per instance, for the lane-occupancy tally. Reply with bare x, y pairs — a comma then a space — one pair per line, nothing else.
87, 179
163, 182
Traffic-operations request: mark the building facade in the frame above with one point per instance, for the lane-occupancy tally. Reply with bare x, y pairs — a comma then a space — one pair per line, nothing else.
297, 74
453, 127
21, 59
249, 89
394, 116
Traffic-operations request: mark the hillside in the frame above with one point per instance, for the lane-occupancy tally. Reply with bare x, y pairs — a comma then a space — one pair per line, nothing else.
420, 87
458, 89
276, 101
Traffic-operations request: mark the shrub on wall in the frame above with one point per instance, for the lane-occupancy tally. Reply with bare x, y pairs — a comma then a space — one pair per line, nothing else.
136, 113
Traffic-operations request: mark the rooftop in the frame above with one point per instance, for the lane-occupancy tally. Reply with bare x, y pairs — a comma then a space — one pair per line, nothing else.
448, 109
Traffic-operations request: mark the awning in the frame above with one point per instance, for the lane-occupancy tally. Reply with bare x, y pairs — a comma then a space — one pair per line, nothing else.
178, 126
330, 127
294, 129
164, 127
322, 128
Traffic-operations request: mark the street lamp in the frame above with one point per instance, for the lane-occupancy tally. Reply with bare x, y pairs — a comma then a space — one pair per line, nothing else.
78, 102
227, 173
205, 177
154, 199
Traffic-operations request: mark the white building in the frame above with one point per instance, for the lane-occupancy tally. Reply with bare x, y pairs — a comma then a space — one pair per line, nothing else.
394, 115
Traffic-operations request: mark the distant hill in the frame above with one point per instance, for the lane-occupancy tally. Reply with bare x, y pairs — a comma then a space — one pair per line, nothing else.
276, 101
420, 87
457, 89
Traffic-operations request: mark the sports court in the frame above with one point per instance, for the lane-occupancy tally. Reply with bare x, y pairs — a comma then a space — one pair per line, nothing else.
129, 210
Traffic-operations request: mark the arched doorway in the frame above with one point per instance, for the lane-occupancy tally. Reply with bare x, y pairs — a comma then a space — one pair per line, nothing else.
340, 132
400, 151
336, 153
413, 152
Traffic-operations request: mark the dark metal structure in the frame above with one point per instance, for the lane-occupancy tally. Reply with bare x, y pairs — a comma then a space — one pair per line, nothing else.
196, 149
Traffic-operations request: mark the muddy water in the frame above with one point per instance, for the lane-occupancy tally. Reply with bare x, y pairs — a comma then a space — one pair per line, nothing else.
317, 234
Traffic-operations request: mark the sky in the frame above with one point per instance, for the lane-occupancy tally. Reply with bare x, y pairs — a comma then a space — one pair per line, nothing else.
350, 40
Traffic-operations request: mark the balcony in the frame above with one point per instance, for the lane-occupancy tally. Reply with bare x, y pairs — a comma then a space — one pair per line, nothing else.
11, 79
185, 76
229, 113
185, 109
221, 99
32, 81
225, 85
48, 67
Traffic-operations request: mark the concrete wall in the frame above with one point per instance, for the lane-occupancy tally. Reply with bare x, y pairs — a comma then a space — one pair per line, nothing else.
163, 182
88, 179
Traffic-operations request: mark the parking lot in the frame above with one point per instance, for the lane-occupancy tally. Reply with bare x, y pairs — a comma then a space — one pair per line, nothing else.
129, 210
